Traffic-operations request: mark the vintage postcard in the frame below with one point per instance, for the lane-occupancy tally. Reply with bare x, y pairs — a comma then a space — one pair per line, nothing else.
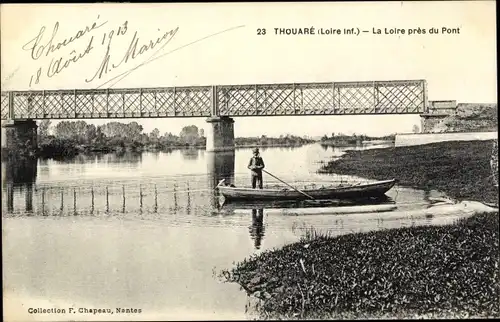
249, 161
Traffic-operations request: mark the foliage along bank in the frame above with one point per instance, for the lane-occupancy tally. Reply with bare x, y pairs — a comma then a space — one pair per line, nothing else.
340, 139
70, 138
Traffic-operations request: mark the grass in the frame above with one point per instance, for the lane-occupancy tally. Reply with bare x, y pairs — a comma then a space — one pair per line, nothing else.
461, 168
442, 271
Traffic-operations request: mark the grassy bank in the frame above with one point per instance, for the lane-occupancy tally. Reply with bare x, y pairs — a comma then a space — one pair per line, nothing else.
440, 272
435, 271
461, 169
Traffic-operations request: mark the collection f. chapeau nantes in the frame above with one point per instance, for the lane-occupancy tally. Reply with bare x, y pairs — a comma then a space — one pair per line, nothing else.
83, 310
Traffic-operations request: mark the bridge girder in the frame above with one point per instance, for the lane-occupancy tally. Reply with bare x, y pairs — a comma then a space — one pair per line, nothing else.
335, 98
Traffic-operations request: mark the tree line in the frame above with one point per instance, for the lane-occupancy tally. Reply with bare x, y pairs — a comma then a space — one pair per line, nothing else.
71, 137
284, 140
343, 139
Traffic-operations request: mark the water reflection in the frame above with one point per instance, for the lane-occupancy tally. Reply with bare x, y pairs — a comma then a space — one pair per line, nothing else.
293, 207
19, 175
131, 158
274, 148
231, 206
190, 154
127, 157
220, 166
20, 171
257, 227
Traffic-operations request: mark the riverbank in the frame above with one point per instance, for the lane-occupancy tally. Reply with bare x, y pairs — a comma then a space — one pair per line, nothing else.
434, 272
461, 168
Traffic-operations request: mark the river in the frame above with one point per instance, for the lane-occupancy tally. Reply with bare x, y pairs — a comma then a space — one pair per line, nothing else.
147, 231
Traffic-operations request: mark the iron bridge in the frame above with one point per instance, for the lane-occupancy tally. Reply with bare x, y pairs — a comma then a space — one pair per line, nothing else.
336, 98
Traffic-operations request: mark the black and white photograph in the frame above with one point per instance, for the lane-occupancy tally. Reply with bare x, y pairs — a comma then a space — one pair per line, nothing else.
249, 161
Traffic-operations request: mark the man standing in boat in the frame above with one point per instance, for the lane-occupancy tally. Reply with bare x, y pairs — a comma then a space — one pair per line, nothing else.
256, 165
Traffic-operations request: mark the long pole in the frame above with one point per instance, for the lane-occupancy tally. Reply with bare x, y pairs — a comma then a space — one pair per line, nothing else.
305, 194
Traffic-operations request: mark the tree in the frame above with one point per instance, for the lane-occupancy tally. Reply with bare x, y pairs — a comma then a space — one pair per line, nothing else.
202, 133
99, 136
75, 131
43, 129
154, 135
90, 134
189, 134
133, 131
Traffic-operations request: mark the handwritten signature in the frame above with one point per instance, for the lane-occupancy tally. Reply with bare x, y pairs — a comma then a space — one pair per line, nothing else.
111, 60
132, 53
154, 57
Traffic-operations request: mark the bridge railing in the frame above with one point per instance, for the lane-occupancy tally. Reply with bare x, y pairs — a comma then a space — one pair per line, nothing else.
110, 103
387, 97
377, 97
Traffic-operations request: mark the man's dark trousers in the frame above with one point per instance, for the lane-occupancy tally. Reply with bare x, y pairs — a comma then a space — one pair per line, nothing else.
257, 178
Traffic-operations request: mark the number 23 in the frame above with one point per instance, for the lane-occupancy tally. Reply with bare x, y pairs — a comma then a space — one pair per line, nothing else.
261, 31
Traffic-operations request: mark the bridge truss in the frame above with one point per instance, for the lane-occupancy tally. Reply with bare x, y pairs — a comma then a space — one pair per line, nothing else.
377, 97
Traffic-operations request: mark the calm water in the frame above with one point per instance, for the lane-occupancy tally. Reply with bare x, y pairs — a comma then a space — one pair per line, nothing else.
147, 231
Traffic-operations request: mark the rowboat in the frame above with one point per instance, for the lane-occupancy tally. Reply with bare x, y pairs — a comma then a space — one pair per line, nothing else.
359, 190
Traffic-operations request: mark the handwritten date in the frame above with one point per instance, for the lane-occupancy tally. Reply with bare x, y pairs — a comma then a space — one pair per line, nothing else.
39, 47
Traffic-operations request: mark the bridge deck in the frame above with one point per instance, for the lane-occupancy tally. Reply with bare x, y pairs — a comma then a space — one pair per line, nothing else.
376, 97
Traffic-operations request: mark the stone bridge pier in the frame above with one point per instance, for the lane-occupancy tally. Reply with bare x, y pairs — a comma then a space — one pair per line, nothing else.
438, 111
220, 134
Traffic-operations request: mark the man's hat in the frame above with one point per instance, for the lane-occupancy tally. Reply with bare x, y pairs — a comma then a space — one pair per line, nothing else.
256, 150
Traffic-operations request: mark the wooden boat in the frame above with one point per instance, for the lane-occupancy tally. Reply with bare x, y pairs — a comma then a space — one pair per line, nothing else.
378, 188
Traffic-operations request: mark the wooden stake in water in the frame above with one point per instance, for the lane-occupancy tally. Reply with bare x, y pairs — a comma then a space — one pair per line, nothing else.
43, 201
123, 207
188, 205
175, 196
140, 196
156, 200
62, 199
74, 201
92, 203
107, 199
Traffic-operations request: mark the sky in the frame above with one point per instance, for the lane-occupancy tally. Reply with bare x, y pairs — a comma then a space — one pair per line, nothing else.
459, 67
